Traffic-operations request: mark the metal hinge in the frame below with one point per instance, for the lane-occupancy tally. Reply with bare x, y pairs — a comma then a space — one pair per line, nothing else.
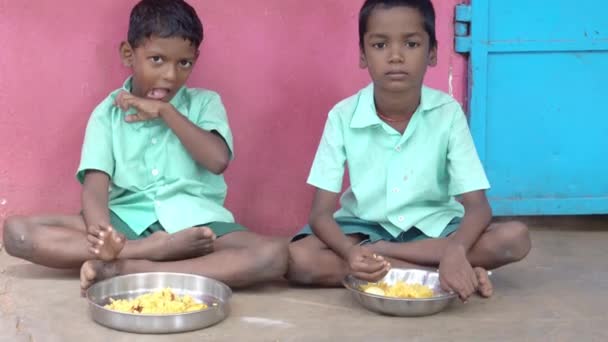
462, 26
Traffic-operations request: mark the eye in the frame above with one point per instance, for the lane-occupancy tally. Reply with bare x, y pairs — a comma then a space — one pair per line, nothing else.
185, 64
156, 59
379, 45
412, 45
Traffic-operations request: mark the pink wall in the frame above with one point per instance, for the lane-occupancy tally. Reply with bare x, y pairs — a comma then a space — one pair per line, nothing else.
279, 65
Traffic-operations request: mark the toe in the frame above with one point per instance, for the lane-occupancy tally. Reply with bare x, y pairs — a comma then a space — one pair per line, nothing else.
485, 285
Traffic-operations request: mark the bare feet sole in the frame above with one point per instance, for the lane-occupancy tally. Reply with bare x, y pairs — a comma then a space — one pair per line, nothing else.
485, 289
186, 244
93, 271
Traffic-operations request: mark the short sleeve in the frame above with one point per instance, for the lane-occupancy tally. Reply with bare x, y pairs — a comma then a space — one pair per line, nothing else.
96, 151
465, 171
213, 118
327, 170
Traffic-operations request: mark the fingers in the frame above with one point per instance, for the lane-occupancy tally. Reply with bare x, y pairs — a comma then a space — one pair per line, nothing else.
465, 289
371, 277
124, 100
444, 284
94, 240
371, 268
474, 279
459, 283
368, 262
94, 244
135, 118
99, 231
94, 230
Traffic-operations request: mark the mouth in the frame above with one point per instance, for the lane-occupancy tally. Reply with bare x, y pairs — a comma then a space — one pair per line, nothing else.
158, 93
397, 75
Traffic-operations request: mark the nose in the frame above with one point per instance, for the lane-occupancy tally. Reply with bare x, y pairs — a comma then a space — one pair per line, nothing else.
396, 54
170, 73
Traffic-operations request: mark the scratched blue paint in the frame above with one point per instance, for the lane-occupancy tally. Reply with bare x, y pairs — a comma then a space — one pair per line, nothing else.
538, 102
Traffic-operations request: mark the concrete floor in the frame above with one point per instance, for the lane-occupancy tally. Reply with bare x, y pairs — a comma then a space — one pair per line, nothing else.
559, 293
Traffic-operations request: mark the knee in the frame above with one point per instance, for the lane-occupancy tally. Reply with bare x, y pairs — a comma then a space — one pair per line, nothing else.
300, 266
514, 238
16, 236
272, 257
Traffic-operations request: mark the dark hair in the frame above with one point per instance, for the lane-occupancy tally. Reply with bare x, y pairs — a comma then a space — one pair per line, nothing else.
164, 19
425, 7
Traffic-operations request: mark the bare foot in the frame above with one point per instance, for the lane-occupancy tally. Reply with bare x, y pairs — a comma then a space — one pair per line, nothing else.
485, 288
93, 271
186, 244
105, 242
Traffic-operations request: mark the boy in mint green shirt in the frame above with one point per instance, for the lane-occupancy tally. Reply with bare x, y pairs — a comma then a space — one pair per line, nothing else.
409, 153
151, 168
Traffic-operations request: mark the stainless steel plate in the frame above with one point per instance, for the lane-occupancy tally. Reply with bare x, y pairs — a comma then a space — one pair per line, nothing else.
403, 306
212, 292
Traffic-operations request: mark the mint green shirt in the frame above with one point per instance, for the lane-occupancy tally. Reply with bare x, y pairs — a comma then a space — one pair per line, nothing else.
153, 177
399, 180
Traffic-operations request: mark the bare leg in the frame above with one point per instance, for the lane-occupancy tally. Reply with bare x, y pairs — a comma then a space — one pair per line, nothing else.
107, 244
240, 259
311, 262
62, 242
500, 244
54, 241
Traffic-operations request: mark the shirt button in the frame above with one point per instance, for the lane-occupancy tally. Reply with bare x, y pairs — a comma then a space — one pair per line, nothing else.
154, 172
154, 141
398, 148
401, 218
406, 178
396, 190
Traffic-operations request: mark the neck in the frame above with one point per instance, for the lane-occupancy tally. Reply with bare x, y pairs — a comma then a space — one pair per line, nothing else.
397, 105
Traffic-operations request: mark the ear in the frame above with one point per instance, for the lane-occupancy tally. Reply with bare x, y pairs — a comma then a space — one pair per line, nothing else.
127, 54
433, 57
362, 59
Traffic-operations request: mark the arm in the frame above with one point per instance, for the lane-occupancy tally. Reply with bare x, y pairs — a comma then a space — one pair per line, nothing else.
324, 225
362, 262
95, 198
477, 216
468, 179
455, 271
208, 148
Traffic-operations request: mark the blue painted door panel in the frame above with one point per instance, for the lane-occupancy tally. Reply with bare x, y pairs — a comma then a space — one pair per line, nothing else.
539, 103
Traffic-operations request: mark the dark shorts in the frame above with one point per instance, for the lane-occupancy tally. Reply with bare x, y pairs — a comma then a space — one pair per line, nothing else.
374, 232
219, 228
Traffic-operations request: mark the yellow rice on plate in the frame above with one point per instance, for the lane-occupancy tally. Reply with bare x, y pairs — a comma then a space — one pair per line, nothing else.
398, 290
164, 301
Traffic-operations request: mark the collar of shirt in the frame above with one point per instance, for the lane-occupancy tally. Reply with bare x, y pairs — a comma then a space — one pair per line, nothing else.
365, 113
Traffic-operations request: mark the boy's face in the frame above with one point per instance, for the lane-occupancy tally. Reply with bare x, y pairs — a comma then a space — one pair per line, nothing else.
160, 66
396, 49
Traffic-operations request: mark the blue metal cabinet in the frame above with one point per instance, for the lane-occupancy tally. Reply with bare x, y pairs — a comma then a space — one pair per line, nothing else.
538, 102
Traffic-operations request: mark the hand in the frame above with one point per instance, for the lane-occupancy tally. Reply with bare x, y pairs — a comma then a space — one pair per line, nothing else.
105, 242
366, 265
456, 273
147, 109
